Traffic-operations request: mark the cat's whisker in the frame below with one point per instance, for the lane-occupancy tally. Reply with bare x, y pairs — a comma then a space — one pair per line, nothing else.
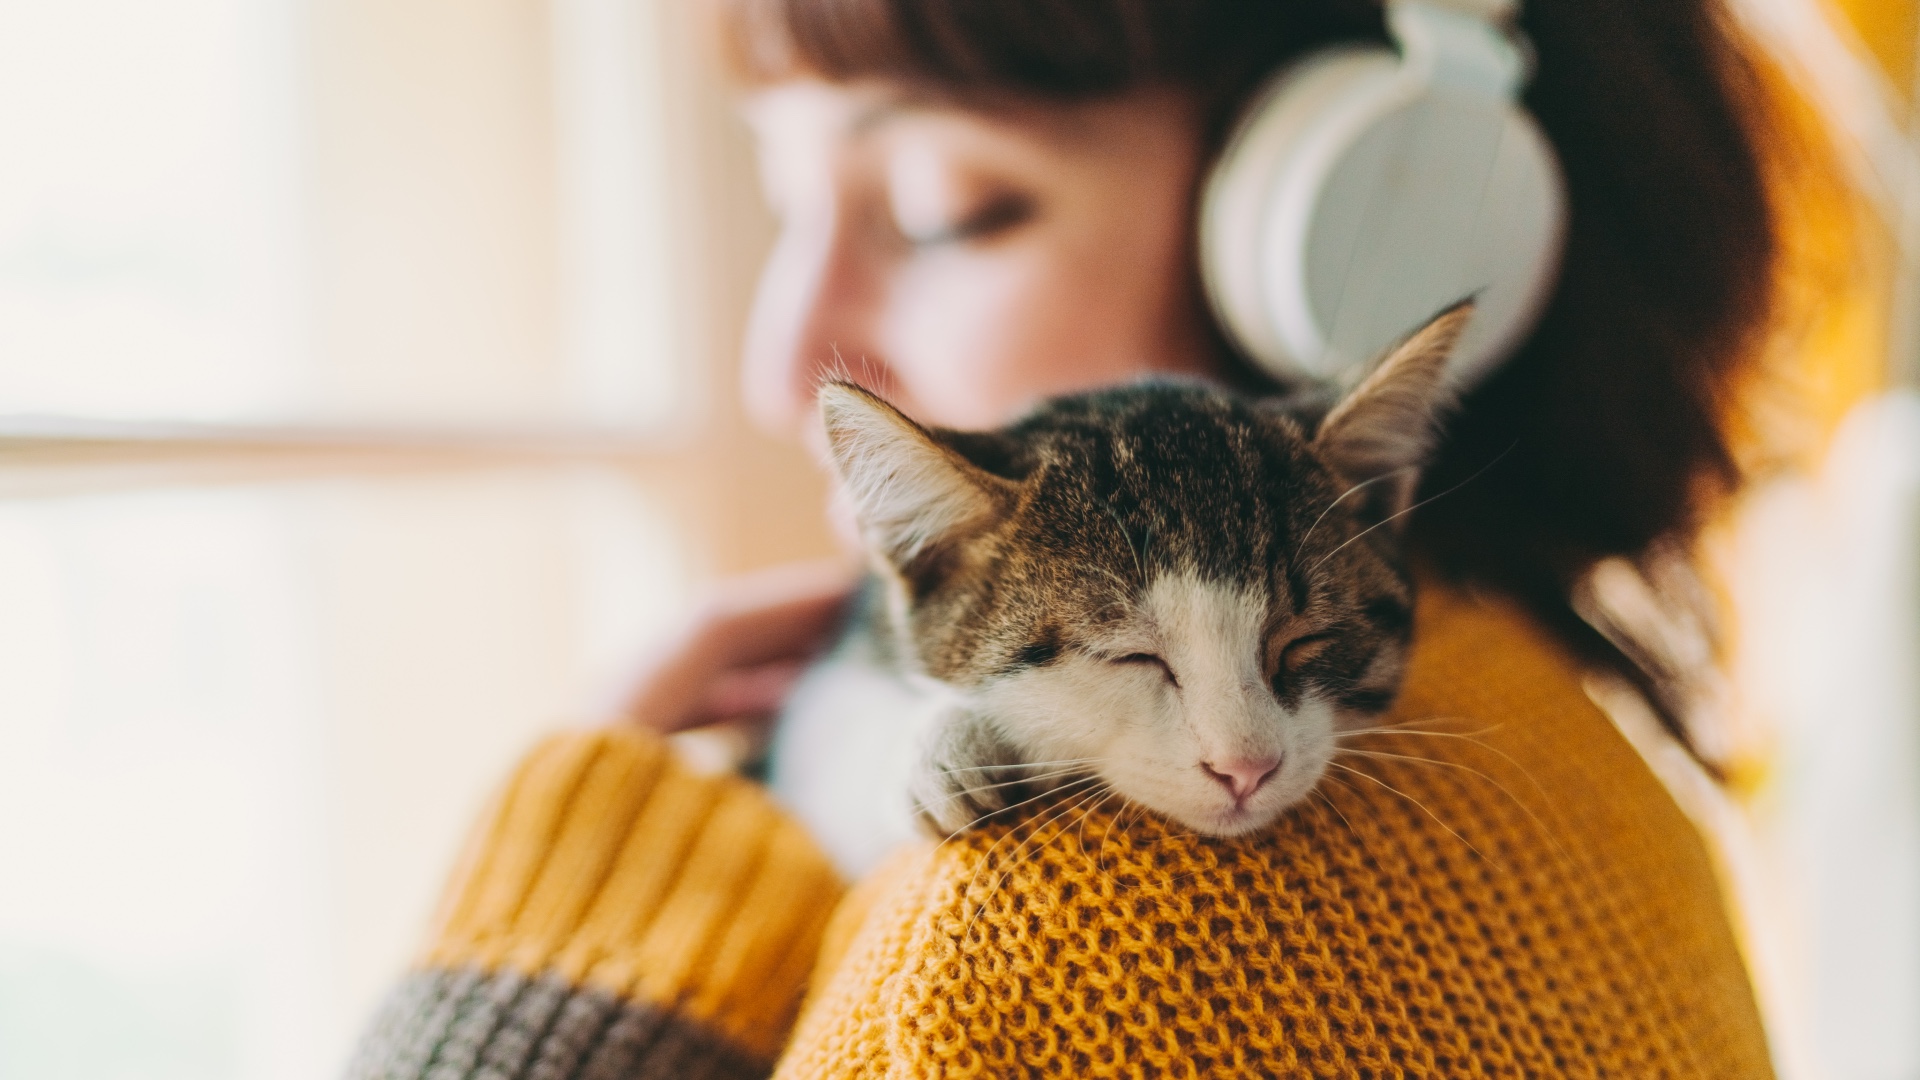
1408, 725
1396, 729
1304, 537
987, 855
1139, 564
985, 859
1416, 802
1358, 837
1036, 836
964, 792
1498, 786
1100, 853
1024, 765
1387, 755
1086, 804
1343, 784
1116, 822
1140, 813
1403, 513
1468, 736
1089, 812
1038, 827
1100, 859
1328, 800
1055, 790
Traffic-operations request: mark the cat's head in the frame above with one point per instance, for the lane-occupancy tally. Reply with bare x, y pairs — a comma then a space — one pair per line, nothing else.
1187, 592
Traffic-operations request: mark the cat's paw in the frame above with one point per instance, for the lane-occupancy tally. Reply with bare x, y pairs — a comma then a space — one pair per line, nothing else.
967, 775
950, 803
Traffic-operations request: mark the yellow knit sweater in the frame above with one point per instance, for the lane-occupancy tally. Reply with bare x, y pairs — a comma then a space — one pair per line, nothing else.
1500, 888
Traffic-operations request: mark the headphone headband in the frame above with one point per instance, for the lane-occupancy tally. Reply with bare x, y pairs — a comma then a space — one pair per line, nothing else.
1443, 46
1488, 11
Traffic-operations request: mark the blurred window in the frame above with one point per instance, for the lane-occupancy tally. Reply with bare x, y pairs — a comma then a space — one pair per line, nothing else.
362, 408
147, 209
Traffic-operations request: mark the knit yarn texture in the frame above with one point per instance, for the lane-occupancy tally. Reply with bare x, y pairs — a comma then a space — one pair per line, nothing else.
1494, 886
1498, 887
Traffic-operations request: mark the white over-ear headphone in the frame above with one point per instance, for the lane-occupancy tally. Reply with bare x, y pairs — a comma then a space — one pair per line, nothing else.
1366, 189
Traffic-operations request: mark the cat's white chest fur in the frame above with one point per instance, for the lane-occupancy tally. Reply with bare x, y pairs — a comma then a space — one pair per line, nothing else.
844, 753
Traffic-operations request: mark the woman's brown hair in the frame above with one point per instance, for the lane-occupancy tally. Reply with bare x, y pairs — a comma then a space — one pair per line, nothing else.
1607, 434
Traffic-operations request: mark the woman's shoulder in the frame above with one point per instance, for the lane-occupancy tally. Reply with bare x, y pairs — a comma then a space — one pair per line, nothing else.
1492, 876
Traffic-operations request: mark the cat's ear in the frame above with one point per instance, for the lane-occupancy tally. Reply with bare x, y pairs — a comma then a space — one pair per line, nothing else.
909, 490
1383, 431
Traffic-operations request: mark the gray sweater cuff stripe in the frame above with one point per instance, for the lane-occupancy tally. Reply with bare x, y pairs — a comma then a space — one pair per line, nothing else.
468, 1025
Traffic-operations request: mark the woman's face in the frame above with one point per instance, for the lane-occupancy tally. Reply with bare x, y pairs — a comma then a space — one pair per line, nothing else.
967, 263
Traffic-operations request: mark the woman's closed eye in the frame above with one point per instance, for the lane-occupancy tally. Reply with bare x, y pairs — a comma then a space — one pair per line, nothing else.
1142, 659
989, 219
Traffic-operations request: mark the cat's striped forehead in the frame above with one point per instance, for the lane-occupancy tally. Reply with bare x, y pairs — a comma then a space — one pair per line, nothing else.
1122, 491
1187, 480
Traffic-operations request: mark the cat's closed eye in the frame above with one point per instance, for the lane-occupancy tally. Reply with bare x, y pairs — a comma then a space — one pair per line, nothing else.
1149, 660
1298, 653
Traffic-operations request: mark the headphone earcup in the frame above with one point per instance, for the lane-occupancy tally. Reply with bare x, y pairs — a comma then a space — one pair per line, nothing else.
1355, 201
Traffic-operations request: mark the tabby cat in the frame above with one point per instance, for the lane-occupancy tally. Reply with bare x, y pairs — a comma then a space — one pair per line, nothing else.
1166, 587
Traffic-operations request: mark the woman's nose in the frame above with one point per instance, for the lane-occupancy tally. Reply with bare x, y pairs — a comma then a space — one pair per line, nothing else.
813, 316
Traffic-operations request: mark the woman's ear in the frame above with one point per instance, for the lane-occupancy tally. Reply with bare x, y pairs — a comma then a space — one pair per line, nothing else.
910, 491
1383, 432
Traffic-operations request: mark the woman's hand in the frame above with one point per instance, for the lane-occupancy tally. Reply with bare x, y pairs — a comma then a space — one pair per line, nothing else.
740, 654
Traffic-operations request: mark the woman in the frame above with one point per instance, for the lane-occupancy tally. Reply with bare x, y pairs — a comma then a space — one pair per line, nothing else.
989, 202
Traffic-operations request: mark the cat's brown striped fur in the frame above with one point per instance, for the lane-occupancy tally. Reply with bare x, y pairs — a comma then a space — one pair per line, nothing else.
1166, 587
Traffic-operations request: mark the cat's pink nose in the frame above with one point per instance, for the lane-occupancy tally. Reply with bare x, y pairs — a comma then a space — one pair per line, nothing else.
1242, 776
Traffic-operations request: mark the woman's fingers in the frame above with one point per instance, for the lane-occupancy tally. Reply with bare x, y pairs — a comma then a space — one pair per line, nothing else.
731, 727
749, 692
742, 651
775, 614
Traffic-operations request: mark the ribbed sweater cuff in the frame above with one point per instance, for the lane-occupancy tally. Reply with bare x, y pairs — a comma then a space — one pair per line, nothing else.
614, 915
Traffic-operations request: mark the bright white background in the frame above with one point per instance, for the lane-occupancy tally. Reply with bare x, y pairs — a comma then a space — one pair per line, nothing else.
446, 292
